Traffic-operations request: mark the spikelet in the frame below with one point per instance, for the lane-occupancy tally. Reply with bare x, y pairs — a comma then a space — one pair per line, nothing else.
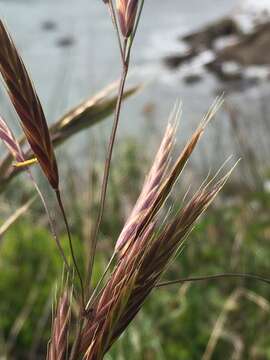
127, 11
59, 340
149, 190
27, 105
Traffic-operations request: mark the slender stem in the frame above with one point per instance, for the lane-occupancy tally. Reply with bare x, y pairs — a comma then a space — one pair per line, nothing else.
58, 196
114, 21
125, 54
214, 277
107, 166
95, 292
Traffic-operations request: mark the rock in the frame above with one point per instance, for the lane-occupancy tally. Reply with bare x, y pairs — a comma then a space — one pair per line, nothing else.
192, 78
173, 61
205, 38
239, 44
224, 72
65, 41
48, 25
252, 49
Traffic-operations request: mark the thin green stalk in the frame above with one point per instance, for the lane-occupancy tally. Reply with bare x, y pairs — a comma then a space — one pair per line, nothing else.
215, 277
59, 199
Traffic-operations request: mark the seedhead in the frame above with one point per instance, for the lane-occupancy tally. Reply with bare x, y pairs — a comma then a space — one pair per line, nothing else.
27, 105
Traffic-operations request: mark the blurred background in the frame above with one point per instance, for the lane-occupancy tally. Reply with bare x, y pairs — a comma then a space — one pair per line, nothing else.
184, 50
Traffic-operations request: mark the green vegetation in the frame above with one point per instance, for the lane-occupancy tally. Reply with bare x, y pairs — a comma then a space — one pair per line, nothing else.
177, 321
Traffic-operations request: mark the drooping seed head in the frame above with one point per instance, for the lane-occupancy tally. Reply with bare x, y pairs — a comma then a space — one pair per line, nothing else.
127, 11
27, 105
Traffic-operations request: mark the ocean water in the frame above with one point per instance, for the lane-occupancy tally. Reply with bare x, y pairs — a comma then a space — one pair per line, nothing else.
65, 75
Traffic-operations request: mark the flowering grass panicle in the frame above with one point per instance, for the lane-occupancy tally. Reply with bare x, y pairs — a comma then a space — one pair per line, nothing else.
137, 273
149, 248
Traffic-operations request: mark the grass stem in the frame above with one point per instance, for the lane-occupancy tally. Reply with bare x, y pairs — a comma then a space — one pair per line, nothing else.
59, 199
215, 277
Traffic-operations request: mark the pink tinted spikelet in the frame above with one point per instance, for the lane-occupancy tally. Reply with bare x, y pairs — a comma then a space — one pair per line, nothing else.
153, 197
9, 140
27, 105
149, 190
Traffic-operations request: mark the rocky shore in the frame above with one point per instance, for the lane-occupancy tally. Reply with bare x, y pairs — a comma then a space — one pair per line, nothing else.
235, 48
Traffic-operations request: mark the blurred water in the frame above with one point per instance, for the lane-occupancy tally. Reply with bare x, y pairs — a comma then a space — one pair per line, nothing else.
66, 75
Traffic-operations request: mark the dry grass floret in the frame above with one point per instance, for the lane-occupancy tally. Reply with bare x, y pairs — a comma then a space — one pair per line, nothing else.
161, 179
